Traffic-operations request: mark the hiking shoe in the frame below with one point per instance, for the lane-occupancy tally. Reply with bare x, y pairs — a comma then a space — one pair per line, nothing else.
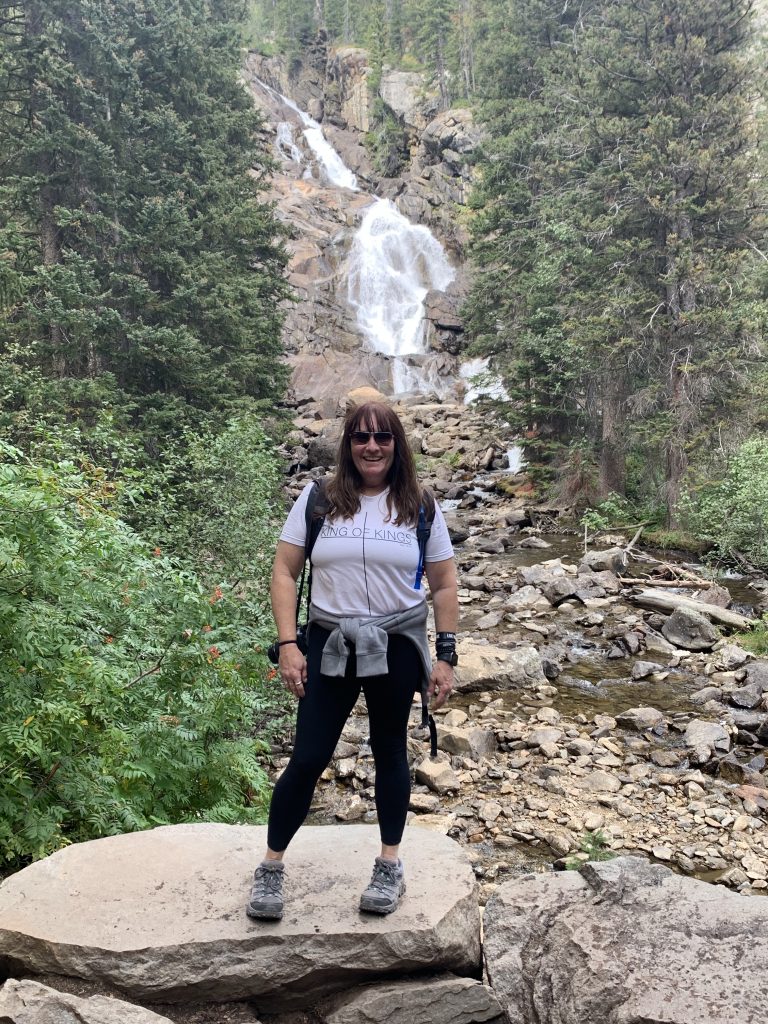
266, 902
385, 888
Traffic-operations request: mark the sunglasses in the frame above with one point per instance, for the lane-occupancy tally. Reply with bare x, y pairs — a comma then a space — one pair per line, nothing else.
381, 437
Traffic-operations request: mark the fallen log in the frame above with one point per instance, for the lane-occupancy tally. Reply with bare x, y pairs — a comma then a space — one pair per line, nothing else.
669, 602
634, 581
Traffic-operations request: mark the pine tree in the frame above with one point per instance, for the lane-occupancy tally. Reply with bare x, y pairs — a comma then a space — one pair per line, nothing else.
133, 195
620, 198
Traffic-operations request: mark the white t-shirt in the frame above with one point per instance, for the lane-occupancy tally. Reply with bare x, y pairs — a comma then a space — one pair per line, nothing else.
366, 565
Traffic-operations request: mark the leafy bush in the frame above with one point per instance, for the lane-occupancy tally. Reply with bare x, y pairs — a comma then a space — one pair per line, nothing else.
732, 514
128, 687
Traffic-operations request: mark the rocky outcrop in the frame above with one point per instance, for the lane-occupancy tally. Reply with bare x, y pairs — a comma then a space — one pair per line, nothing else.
28, 1002
160, 915
626, 942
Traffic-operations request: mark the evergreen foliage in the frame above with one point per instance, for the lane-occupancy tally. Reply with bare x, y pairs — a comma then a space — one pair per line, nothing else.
129, 689
619, 216
134, 241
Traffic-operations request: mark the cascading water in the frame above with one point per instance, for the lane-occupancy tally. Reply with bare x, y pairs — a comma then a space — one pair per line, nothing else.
393, 264
332, 168
481, 381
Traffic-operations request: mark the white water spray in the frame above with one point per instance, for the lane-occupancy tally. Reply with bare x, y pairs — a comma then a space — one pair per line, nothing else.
332, 168
285, 145
393, 264
481, 381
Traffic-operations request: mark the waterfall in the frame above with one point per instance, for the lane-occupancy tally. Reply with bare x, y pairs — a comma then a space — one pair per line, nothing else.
284, 143
393, 264
332, 168
481, 381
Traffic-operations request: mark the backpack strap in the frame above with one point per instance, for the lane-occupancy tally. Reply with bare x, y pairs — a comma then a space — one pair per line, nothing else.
423, 530
314, 517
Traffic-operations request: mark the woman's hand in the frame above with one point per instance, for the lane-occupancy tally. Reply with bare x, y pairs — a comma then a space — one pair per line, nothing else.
293, 669
440, 683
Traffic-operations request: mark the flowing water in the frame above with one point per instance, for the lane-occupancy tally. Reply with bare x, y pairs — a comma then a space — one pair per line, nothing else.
393, 265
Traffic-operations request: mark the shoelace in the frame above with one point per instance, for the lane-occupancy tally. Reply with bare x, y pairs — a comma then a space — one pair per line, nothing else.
272, 881
384, 875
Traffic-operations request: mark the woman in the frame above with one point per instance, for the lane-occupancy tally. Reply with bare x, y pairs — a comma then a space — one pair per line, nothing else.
367, 631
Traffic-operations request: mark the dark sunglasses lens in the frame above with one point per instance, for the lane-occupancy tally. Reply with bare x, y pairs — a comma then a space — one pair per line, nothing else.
381, 437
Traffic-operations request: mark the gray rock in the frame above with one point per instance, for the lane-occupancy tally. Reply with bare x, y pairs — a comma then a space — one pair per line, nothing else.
729, 657
643, 669
690, 630
598, 782
558, 590
160, 914
706, 734
756, 674
28, 1002
642, 719
545, 734
446, 1000
610, 560
438, 775
475, 741
746, 696
536, 575
623, 941
489, 667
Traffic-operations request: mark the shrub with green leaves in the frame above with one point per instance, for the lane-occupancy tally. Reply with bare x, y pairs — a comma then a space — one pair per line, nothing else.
732, 513
129, 689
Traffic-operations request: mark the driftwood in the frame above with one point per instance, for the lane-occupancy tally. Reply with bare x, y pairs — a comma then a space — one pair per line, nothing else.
670, 602
636, 581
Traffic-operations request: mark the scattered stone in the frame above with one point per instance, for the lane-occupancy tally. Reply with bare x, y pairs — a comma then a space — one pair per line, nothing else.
598, 782
610, 560
690, 630
643, 669
438, 775
642, 719
488, 667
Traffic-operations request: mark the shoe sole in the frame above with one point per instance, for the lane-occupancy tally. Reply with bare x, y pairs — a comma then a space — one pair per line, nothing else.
264, 915
370, 908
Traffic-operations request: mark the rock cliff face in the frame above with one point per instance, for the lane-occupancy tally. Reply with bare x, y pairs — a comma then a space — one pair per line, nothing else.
321, 336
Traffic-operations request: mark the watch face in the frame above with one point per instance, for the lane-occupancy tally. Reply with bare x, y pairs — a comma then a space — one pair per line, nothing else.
449, 659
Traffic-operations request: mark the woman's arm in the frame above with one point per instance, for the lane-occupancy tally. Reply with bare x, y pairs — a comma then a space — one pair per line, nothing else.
444, 588
289, 559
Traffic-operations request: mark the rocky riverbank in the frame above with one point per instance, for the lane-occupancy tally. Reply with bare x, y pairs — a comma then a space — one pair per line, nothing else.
582, 722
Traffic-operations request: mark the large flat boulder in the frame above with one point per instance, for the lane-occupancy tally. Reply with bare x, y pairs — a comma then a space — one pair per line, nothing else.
160, 914
626, 942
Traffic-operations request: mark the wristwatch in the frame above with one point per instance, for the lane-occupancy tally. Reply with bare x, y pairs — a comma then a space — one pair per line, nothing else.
450, 657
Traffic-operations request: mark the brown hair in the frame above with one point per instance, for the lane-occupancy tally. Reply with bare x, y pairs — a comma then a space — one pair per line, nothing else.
343, 489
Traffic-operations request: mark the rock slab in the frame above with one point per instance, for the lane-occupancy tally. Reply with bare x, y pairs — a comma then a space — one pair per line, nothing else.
626, 942
28, 1002
160, 914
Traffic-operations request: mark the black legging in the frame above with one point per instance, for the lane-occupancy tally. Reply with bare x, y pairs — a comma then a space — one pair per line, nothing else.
323, 711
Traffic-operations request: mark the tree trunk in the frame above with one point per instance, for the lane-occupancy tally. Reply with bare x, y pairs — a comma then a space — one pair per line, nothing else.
612, 457
681, 300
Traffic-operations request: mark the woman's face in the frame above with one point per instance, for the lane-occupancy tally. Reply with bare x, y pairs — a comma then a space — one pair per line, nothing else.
372, 461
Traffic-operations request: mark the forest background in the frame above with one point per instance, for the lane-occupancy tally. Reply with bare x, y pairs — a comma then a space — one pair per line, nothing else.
619, 267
